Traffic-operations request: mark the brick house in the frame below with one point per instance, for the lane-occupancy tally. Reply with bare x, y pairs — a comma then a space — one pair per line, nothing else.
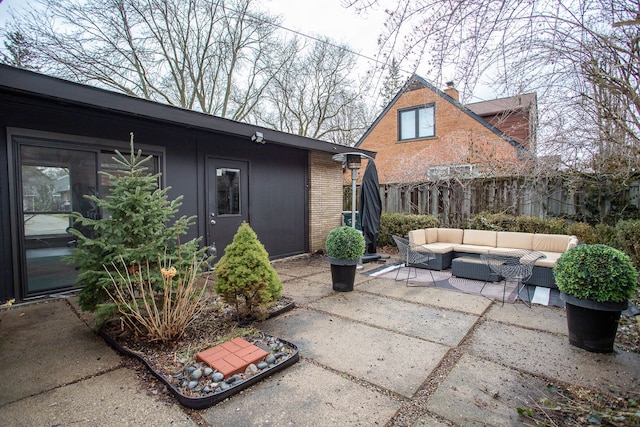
425, 133
437, 156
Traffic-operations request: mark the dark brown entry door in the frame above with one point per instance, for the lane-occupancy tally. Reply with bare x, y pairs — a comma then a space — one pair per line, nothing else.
227, 200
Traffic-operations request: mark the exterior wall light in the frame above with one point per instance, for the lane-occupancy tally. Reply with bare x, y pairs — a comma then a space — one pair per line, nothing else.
258, 137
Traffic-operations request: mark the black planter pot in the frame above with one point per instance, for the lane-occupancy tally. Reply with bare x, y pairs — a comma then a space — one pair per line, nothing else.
343, 274
592, 325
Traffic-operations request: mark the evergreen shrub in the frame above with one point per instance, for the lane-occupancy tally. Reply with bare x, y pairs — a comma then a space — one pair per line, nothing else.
628, 239
605, 234
136, 229
345, 243
596, 272
245, 279
519, 223
583, 231
400, 224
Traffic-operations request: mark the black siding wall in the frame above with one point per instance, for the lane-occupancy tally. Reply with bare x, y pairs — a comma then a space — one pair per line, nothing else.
277, 184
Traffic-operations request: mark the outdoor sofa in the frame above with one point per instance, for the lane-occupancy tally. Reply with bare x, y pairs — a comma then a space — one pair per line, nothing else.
449, 244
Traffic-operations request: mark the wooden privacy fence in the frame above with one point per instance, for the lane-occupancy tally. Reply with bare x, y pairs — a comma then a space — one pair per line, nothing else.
454, 202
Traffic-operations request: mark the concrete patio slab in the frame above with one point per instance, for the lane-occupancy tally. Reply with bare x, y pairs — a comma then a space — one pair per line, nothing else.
298, 268
552, 356
305, 395
112, 399
392, 361
304, 291
44, 338
365, 356
450, 300
479, 393
428, 421
430, 323
549, 319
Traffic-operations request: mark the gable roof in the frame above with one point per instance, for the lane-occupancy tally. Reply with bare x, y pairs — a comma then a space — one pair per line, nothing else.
417, 82
26, 82
511, 103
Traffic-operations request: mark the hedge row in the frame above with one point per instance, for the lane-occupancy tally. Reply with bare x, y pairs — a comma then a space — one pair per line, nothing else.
400, 225
624, 236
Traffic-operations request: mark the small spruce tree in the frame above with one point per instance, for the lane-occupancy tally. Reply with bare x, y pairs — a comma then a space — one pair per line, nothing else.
136, 230
244, 277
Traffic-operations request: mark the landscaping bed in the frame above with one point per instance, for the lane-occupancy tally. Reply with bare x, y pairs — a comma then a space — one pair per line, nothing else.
173, 364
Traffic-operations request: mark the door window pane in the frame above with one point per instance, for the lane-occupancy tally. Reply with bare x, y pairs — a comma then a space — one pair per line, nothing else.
228, 191
46, 196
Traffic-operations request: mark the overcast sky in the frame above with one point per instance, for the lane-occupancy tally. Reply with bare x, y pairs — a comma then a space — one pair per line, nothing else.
316, 17
312, 17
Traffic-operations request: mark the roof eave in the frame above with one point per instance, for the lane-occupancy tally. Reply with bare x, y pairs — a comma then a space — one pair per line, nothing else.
28, 82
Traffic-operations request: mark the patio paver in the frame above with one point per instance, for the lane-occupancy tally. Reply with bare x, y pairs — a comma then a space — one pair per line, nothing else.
552, 356
392, 361
450, 300
305, 395
480, 392
430, 323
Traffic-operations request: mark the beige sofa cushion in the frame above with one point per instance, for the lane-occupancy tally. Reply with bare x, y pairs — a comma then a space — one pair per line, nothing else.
473, 249
514, 240
418, 237
439, 248
480, 238
573, 242
450, 235
432, 235
550, 260
551, 242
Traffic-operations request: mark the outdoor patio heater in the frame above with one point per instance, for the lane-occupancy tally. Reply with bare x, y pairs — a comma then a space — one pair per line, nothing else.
353, 162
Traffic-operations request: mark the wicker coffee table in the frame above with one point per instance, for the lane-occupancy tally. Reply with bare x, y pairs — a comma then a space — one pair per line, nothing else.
470, 267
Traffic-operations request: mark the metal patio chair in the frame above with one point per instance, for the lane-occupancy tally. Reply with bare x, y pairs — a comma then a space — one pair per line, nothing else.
516, 264
411, 256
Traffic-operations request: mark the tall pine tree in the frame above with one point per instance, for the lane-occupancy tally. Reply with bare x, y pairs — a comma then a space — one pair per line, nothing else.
392, 83
136, 229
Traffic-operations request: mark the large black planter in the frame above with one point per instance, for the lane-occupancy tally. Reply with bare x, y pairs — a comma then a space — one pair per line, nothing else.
343, 274
592, 325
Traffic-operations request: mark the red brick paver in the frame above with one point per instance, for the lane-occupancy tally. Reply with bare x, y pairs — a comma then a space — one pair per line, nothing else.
231, 357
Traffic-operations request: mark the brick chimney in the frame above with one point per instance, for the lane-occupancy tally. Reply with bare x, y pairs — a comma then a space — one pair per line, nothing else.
451, 91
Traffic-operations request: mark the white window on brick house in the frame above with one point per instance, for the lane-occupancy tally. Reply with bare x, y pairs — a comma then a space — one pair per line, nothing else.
417, 122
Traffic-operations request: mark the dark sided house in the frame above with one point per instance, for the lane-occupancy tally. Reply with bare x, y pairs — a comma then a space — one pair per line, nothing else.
57, 135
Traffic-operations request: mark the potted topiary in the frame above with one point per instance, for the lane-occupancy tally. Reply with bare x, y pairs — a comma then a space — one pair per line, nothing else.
596, 282
345, 246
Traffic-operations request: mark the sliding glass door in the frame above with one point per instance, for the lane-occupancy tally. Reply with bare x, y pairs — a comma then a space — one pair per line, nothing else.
53, 183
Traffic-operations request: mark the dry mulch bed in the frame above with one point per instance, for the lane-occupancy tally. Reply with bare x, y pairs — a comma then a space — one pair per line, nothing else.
216, 324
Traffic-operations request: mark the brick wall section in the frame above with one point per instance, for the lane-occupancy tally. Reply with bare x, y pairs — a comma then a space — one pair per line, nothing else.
459, 140
325, 198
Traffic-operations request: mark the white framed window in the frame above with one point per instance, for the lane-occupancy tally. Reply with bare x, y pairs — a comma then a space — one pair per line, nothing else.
417, 122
